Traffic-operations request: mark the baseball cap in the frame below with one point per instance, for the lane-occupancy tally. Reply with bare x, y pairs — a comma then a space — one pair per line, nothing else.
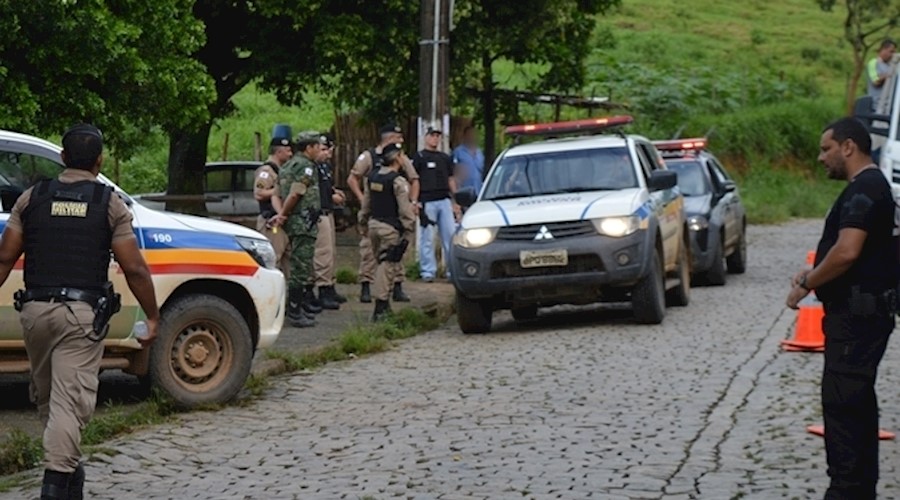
433, 130
390, 128
391, 148
311, 137
280, 141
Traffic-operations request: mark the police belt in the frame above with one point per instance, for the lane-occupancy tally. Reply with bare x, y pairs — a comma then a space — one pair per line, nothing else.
61, 294
864, 304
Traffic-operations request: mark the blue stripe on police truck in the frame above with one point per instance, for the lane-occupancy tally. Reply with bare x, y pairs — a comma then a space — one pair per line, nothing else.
164, 238
502, 212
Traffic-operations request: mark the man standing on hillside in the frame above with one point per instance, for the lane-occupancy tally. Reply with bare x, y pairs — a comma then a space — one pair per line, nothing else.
855, 276
878, 70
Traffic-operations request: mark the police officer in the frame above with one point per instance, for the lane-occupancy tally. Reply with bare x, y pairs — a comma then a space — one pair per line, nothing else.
66, 228
438, 209
855, 276
299, 190
265, 191
388, 218
390, 134
326, 238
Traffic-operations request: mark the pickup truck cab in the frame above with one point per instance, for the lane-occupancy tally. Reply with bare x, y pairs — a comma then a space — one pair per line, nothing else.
220, 295
575, 220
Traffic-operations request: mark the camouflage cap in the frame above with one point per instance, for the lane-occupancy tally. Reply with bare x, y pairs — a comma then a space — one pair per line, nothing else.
311, 137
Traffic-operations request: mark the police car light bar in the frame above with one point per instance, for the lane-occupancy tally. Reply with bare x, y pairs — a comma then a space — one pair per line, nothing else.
587, 125
697, 143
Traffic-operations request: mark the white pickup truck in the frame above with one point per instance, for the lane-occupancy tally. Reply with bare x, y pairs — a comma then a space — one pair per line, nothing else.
883, 120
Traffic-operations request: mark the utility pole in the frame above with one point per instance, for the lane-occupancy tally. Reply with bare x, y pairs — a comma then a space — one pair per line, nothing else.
434, 59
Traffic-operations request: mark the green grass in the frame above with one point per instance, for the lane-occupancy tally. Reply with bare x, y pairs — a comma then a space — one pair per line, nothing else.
774, 195
345, 276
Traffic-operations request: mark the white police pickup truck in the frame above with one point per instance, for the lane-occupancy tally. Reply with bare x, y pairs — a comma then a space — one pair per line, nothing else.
576, 220
220, 295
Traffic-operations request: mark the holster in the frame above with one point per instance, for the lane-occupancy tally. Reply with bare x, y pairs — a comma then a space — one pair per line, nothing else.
395, 253
424, 221
107, 305
312, 218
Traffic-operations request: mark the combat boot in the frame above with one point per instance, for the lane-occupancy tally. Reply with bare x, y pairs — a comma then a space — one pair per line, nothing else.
365, 295
326, 300
55, 486
382, 310
308, 303
76, 484
340, 299
296, 316
398, 295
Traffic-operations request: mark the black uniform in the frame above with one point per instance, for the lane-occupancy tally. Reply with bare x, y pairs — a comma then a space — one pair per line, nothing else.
326, 187
858, 321
384, 201
435, 169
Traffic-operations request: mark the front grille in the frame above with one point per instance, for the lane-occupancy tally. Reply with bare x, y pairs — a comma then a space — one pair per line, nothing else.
557, 229
588, 263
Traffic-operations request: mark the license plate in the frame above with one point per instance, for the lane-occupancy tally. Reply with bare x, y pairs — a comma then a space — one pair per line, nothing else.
543, 258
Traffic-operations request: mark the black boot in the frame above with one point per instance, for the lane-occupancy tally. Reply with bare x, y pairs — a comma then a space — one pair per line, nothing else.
76, 484
309, 301
56, 485
326, 300
365, 295
310, 294
340, 299
398, 295
296, 316
382, 310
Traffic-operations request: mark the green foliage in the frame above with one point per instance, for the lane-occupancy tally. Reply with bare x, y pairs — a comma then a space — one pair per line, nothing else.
117, 420
19, 452
412, 270
774, 194
346, 276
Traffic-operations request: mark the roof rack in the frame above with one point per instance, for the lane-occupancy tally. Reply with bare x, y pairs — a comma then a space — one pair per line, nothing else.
586, 126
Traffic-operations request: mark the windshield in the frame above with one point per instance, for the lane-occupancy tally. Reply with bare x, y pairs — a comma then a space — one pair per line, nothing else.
691, 181
561, 172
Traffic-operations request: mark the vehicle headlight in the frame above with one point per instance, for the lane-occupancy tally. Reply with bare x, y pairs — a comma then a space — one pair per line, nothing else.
697, 223
261, 250
474, 238
617, 227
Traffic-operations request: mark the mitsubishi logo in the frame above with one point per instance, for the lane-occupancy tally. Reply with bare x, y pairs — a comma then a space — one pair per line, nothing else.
543, 234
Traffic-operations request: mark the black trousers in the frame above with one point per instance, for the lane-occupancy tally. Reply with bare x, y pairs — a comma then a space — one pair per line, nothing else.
854, 345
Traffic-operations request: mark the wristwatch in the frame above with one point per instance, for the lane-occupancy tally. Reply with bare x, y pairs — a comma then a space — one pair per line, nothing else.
802, 283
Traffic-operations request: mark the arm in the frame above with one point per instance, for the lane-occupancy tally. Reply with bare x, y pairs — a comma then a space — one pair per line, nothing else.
872, 72
11, 245
354, 184
363, 215
406, 209
137, 274
261, 194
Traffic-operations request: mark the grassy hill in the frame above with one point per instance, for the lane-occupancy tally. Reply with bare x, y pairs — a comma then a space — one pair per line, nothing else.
744, 68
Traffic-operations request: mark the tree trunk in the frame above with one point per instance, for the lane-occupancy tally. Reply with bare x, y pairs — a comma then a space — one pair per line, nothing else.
489, 109
187, 159
852, 86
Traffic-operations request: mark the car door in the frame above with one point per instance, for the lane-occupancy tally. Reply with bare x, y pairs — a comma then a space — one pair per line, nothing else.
666, 206
244, 202
219, 189
729, 201
21, 166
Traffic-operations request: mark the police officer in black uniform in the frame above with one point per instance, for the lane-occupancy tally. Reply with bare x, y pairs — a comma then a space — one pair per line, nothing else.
855, 277
324, 257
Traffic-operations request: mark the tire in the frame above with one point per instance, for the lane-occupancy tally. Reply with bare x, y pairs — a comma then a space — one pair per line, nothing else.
473, 316
737, 261
213, 333
649, 296
680, 296
716, 274
526, 313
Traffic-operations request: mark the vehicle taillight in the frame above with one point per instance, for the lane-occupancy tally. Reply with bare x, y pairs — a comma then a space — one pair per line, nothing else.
587, 125
697, 143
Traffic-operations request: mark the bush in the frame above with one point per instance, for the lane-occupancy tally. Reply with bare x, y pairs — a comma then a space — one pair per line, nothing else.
345, 276
19, 452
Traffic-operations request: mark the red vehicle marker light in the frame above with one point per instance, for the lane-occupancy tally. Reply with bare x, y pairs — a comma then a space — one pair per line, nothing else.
587, 125
697, 143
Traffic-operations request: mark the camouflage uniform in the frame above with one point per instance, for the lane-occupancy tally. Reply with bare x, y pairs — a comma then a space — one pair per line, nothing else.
300, 175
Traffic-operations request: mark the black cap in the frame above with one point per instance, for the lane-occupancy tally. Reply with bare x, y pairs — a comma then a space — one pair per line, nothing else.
83, 145
83, 129
432, 130
390, 128
329, 140
391, 148
280, 141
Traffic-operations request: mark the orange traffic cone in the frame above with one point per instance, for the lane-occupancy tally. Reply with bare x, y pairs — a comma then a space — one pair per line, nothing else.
808, 336
819, 430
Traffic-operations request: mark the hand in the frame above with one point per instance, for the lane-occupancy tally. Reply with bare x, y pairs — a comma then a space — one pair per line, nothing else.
795, 281
797, 294
416, 208
457, 212
337, 198
276, 221
152, 328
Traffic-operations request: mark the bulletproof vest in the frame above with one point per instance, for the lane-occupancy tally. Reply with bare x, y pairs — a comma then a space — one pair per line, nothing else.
326, 183
383, 199
266, 206
377, 161
431, 179
67, 235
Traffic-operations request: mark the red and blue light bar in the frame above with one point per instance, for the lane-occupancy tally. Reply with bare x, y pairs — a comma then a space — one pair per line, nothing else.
586, 125
695, 144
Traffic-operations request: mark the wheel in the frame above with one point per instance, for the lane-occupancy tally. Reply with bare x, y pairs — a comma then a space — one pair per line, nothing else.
716, 274
526, 313
737, 261
648, 298
203, 353
681, 295
473, 316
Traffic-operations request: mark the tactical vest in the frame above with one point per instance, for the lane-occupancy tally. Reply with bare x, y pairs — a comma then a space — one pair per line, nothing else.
67, 235
265, 206
432, 181
326, 183
383, 199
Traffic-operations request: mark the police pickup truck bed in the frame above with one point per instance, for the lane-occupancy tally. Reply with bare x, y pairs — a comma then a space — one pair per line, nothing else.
572, 221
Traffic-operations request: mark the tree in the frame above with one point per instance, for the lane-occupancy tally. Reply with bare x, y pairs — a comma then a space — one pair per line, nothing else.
351, 49
865, 23
125, 66
551, 33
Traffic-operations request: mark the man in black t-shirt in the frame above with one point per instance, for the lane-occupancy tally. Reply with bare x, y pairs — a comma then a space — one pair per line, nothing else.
437, 187
855, 274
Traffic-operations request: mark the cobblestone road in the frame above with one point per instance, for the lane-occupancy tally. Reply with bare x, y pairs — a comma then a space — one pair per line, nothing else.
585, 405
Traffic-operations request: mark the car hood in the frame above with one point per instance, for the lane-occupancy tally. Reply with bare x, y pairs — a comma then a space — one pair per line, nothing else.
697, 205
554, 207
155, 218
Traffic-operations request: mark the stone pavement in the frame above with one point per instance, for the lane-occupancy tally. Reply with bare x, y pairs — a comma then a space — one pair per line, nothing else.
582, 403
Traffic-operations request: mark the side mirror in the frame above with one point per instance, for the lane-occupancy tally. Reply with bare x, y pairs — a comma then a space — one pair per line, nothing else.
662, 179
465, 197
729, 186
